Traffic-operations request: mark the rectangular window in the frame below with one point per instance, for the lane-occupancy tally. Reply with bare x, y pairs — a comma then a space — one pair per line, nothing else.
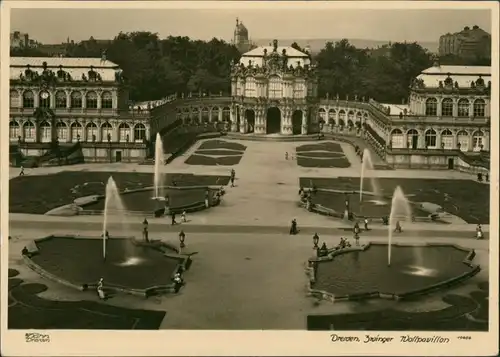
299, 90
447, 141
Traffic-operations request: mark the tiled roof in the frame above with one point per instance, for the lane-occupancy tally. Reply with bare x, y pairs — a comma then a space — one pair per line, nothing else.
257, 55
464, 75
64, 61
432, 80
474, 70
74, 66
259, 51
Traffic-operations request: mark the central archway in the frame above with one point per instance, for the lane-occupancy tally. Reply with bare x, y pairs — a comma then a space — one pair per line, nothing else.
297, 122
250, 119
273, 121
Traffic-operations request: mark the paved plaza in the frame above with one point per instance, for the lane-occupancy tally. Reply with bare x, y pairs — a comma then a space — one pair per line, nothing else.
248, 273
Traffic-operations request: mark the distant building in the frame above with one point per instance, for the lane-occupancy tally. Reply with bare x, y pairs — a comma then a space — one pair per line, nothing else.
468, 43
21, 40
241, 39
74, 100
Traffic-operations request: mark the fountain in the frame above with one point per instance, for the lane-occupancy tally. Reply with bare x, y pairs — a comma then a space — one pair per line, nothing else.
158, 175
367, 166
129, 266
400, 210
113, 205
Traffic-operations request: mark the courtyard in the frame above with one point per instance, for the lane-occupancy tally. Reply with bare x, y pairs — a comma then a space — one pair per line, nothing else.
248, 273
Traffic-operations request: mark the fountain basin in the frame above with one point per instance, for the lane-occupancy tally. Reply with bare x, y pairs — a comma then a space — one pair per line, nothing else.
142, 202
332, 203
359, 273
136, 268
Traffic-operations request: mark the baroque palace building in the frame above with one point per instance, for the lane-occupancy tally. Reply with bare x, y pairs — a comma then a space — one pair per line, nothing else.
445, 125
74, 100
275, 92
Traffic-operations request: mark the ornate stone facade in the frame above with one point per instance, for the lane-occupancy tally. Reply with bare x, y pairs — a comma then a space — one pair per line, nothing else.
274, 91
71, 100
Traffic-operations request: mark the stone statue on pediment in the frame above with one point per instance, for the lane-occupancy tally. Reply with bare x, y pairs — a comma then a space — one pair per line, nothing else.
480, 82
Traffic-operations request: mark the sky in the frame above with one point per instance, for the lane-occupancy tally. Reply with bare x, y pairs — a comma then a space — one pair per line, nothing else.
56, 25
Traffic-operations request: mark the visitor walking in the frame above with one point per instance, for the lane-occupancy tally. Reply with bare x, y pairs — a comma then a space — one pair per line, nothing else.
293, 227
100, 289
145, 233
356, 239
21, 173
479, 232
356, 228
183, 217
286, 155
398, 228
232, 181
366, 224
173, 218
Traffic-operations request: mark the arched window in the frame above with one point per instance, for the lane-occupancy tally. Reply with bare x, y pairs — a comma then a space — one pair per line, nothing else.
76, 131
226, 114
350, 117
331, 117
106, 132
62, 131
275, 90
359, 117
342, 117
397, 139
215, 114
29, 131
463, 108
28, 99
60, 99
250, 87
447, 107
91, 132
14, 99
463, 140
447, 139
477, 141
91, 100
430, 139
412, 137
139, 132
76, 100
106, 100
431, 107
44, 99
205, 115
14, 130
45, 132
124, 132
479, 108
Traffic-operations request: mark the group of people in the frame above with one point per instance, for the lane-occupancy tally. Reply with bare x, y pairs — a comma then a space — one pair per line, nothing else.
486, 177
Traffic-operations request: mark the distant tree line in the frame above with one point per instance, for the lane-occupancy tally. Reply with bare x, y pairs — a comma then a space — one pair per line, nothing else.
157, 67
